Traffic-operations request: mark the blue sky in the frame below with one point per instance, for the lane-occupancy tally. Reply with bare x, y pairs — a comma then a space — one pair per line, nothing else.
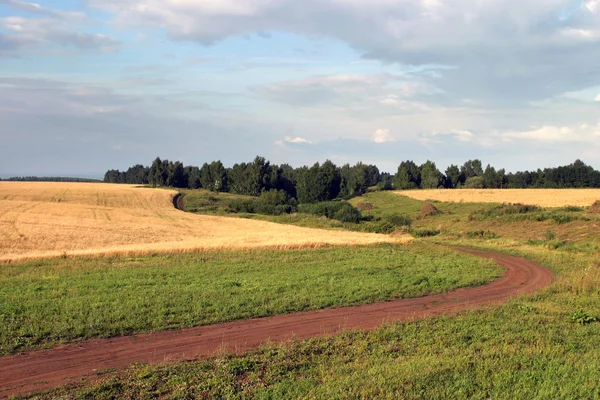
88, 85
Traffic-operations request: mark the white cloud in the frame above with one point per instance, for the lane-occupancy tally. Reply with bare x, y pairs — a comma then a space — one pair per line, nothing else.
390, 100
592, 5
49, 26
467, 35
597, 97
382, 136
582, 133
343, 91
290, 139
463, 135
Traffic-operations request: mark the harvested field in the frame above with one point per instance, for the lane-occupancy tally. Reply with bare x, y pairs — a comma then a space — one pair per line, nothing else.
40, 220
539, 197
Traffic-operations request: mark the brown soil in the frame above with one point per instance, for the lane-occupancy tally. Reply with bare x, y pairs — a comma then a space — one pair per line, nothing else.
595, 208
428, 210
45, 369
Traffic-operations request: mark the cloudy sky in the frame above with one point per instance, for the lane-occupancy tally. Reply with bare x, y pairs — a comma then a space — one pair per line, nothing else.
87, 85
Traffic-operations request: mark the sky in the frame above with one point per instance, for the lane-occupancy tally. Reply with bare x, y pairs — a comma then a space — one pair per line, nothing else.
91, 85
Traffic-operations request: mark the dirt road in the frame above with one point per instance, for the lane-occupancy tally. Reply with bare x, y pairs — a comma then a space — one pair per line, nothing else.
50, 368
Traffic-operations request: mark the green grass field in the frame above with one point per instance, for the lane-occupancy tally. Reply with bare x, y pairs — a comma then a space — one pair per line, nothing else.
552, 227
46, 302
542, 346
534, 347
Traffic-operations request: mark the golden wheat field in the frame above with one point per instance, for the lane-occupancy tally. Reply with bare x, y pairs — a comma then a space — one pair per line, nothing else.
539, 197
39, 220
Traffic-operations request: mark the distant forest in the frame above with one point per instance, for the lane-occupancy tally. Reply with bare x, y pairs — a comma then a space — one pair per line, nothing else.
326, 181
49, 179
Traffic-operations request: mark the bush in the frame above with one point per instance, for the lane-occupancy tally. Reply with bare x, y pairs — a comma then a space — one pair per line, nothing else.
274, 202
242, 205
474, 182
481, 234
348, 214
571, 209
332, 209
562, 219
274, 198
399, 220
425, 232
383, 227
511, 209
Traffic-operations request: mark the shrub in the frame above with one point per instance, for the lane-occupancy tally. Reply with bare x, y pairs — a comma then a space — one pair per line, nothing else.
571, 209
425, 232
562, 218
348, 214
511, 209
474, 182
398, 220
383, 227
338, 210
274, 202
274, 197
481, 234
242, 205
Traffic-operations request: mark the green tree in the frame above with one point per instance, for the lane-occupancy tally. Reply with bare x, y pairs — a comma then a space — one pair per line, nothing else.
407, 177
354, 180
318, 183
453, 176
491, 178
474, 182
472, 168
176, 175
213, 177
157, 176
431, 177
193, 177
373, 175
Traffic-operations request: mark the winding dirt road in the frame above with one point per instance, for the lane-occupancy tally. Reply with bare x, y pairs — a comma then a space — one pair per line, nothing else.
25, 373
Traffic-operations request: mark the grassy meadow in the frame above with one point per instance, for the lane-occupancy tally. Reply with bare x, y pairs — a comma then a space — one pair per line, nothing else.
43, 303
545, 345
542, 346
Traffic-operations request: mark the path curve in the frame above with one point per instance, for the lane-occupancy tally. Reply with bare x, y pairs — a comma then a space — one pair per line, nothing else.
45, 369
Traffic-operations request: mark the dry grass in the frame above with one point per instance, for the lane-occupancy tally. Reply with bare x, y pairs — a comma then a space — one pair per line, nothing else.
540, 197
42, 220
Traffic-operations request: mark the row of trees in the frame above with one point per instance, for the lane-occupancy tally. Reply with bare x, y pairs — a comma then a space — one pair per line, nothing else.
322, 182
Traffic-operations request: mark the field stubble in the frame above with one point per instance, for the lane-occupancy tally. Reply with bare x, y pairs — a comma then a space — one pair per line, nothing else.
42, 220
539, 197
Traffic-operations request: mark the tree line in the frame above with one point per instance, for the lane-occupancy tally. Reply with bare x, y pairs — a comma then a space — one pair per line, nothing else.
326, 181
